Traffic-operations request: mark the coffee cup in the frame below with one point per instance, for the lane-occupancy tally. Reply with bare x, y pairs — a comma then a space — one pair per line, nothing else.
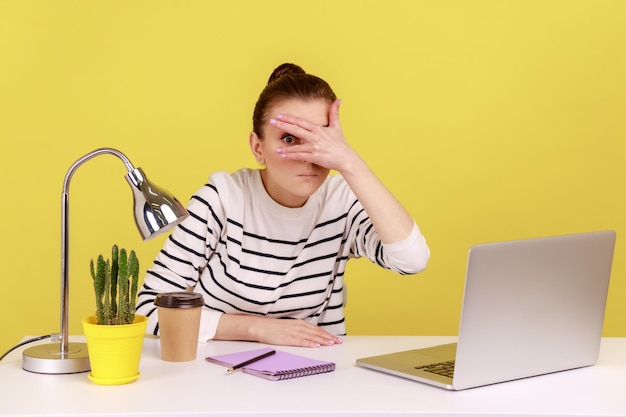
179, 324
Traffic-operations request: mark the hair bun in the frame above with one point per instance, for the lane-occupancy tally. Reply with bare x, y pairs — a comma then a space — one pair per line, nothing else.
285, 69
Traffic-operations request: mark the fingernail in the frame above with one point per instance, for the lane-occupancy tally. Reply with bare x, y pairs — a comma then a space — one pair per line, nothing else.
279, 116
272, 121
279, 150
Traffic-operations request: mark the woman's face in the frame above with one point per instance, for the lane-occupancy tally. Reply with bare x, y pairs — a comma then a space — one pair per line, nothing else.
290, 183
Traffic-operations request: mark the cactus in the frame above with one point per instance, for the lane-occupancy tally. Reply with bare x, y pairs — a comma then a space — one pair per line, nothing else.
115, 286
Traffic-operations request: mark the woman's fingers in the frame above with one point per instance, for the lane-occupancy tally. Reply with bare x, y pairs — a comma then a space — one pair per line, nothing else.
301, 128
333, 115
307, 130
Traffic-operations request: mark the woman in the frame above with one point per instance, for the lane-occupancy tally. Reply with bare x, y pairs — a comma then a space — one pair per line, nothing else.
270, 244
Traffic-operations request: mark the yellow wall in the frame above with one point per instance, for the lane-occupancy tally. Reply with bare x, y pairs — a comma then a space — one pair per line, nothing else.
491, 120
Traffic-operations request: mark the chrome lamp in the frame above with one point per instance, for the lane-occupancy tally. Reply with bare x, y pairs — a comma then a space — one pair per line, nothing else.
156, 212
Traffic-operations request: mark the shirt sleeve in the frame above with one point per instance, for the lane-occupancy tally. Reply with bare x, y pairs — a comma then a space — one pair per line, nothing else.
208, 324
409, 255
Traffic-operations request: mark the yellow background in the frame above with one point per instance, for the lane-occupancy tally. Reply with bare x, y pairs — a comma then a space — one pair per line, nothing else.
490, 120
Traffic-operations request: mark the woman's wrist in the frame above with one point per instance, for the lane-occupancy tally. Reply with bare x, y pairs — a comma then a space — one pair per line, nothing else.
238, 327
353, 167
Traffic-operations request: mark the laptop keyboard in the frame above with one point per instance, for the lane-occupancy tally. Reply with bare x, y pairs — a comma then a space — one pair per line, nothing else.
442, 368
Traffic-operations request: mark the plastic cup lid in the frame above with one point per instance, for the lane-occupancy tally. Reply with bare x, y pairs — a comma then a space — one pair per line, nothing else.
180, 299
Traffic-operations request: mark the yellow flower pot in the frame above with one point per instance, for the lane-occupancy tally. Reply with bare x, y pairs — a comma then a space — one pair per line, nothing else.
114, 351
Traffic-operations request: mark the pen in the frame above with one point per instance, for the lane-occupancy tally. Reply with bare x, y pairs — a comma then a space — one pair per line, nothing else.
249, 361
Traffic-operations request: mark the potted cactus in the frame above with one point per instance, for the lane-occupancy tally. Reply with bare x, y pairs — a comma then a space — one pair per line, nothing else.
115, 333
115, 285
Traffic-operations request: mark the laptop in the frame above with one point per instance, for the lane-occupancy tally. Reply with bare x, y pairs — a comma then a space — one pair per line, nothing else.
531, 307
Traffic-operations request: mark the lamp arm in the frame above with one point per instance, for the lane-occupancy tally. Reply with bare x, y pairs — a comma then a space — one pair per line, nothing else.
65, 235
90, 155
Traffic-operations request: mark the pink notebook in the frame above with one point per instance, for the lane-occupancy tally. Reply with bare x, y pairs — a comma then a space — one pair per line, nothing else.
281, 365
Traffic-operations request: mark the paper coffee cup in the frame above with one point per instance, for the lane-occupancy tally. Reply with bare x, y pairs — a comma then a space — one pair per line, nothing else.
179, 324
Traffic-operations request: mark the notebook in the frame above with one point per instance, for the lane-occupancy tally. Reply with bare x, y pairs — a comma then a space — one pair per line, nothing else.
281, 365
530, 307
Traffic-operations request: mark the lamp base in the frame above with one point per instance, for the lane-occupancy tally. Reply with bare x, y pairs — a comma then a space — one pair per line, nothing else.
46, 359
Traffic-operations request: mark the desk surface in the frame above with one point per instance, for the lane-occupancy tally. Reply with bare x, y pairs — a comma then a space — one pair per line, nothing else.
199, 388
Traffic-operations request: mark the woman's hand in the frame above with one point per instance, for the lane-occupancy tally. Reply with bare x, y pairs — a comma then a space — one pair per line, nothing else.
285, 332
290, 332
325, 146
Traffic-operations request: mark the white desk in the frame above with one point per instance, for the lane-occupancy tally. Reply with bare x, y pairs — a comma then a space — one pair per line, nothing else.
199, 388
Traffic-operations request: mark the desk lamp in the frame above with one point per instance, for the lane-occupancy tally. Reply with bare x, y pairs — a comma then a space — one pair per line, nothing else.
156, 212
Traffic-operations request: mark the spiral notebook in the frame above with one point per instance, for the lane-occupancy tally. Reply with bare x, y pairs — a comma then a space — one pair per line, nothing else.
281, 365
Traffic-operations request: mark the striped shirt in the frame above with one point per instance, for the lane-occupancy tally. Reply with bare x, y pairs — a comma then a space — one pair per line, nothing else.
247, 254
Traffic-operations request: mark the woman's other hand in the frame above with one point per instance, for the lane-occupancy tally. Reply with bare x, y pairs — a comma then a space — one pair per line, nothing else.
284, 332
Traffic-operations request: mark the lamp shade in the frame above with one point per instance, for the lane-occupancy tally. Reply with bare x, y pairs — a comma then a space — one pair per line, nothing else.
156, 210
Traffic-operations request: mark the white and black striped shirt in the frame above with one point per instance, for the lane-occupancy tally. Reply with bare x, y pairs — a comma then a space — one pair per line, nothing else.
246, 254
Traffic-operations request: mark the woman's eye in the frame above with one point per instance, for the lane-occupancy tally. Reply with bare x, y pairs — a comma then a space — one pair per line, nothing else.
289, 139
